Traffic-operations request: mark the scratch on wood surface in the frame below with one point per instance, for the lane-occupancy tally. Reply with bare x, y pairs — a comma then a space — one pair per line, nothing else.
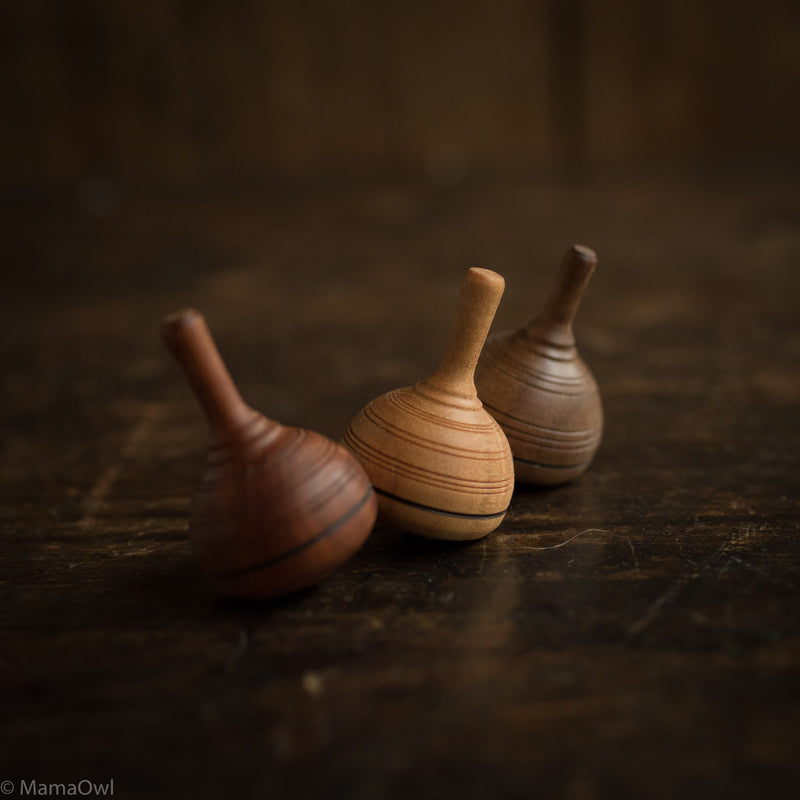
654, 610
587, 531
140, 432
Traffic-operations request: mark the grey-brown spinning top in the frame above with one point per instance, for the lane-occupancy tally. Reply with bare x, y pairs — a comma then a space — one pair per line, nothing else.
537, 387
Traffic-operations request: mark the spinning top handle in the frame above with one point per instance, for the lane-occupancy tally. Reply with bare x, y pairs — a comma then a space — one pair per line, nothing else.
562, 304
187, 336
478, 299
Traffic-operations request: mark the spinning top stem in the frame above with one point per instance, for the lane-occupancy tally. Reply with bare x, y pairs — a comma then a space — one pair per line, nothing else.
478, 299
187, 336
558, 314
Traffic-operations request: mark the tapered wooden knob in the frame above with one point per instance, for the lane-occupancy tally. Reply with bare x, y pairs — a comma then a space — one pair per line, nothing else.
538, 388
440, 465
277, 508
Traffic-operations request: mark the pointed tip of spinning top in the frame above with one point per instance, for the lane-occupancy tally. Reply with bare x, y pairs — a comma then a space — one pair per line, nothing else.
180, 320
486, 276
583, 253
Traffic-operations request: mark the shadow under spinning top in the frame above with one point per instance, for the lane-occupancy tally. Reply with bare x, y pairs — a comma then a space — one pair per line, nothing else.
440, 464
277, 508
538, 388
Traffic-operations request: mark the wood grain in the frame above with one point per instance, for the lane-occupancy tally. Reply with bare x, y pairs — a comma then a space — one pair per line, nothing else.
630, 634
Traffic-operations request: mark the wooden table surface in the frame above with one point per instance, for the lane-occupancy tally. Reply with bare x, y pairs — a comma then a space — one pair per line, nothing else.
633, 634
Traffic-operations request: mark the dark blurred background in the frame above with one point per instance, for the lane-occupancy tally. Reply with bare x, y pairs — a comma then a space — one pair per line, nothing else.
315, 177
164, 91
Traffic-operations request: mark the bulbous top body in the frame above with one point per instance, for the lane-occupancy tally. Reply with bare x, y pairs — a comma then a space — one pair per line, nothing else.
546, 401
440, 464
277, 509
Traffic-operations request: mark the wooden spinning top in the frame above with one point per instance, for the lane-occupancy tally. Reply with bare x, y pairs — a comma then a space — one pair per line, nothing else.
276, 508
441, 466
540, 391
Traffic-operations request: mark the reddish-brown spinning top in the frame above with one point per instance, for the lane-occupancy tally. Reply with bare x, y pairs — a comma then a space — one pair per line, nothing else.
277, 508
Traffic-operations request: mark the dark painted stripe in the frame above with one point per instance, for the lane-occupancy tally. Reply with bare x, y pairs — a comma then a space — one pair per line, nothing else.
586, 434
551, 466
438, 510
293, 551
